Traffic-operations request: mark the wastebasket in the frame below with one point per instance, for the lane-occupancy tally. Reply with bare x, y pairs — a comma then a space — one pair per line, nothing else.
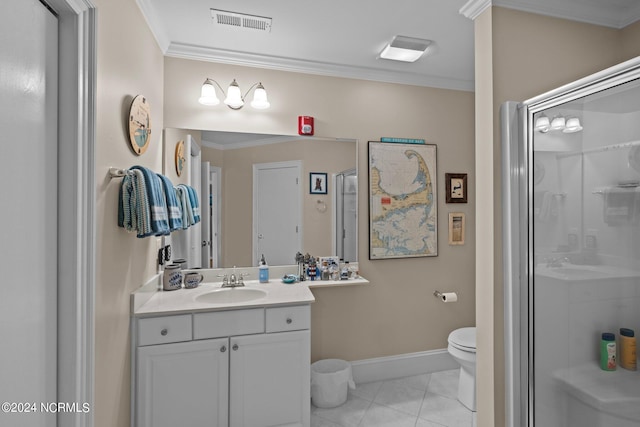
330, 380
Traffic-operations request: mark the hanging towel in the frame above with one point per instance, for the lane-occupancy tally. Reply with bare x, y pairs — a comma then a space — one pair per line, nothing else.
185, 205
195, 205
173, 207
156, 202
134, 213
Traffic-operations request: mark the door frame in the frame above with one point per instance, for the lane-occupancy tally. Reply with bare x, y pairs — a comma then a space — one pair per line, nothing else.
76, 201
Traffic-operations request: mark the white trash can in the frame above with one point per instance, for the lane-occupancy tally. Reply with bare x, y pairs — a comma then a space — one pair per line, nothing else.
330, 380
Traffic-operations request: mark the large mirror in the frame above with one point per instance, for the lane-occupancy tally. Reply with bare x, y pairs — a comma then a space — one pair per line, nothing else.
267, 194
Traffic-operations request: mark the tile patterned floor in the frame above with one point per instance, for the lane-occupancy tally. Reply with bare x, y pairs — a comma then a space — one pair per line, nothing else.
427, 400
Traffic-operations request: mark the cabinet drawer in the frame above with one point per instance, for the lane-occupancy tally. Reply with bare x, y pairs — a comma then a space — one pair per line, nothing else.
163, 330
292, 318
228, 323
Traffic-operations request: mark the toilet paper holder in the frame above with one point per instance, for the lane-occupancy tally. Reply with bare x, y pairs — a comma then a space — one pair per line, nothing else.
446, 296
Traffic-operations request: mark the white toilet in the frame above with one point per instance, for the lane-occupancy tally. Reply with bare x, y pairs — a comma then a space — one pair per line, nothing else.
462, 346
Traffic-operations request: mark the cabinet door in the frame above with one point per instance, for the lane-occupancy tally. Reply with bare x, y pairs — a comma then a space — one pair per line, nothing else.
183, 384
270, 377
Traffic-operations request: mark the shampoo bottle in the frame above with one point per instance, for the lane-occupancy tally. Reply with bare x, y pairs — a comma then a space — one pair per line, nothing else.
263, 271
628, 358
608, 352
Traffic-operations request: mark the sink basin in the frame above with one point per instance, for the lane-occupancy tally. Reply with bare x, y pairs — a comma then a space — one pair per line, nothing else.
231, 295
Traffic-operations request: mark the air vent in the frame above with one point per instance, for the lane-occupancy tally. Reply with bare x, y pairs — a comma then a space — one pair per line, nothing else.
241, 20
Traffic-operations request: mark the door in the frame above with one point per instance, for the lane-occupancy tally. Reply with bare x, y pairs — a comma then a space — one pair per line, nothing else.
346, 215
270, 380
28, 119
277, 212
205, 214
183, 384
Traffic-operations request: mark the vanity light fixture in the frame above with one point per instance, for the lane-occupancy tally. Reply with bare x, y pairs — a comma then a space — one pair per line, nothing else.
405, 49
233, 97
543, 124
559, 123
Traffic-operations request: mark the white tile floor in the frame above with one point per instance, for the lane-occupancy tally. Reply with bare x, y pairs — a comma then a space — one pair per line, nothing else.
427, 400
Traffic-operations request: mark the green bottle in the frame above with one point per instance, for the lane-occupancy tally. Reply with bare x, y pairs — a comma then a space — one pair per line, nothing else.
608, 352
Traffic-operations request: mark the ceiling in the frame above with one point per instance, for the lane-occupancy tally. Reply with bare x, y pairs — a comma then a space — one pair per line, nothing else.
343, 38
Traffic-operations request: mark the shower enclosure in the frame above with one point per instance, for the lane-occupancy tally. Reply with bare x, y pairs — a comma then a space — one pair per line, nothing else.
346, 215
571, 209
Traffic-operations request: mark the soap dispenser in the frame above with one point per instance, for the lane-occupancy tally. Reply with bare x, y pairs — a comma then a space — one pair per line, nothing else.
263, 271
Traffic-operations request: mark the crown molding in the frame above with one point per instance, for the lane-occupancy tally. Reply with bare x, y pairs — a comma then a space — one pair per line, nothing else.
604, 14
154, 23
473, 8
200, 53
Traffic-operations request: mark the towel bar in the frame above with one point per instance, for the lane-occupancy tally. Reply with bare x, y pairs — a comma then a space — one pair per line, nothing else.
117, 173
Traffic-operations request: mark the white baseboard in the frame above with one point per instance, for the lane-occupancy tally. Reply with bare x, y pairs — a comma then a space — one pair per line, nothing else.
402, 365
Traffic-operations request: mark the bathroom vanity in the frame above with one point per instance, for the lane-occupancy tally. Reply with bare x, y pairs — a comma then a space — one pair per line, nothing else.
241, 360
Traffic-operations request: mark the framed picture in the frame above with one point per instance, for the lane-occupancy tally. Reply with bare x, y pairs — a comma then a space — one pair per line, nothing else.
403, 200
456, 187
318, 183
456, 228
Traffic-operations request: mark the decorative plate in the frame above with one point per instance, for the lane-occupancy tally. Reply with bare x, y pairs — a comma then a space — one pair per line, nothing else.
180, 157
139, 124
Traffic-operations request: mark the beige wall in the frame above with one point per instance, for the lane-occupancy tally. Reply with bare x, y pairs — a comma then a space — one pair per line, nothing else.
523, 55
327, 156
397, 313
129, 63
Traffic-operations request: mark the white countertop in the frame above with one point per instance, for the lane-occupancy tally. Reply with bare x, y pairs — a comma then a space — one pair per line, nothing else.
151, 300
184, 300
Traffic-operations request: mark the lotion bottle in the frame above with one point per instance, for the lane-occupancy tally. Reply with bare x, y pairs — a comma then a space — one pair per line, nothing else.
628, 358
263, 271
608, 352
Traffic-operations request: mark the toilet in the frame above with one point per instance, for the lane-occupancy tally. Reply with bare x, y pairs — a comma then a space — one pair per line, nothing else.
462, 347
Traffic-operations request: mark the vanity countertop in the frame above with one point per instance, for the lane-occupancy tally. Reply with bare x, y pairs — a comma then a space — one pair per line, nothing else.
185, 300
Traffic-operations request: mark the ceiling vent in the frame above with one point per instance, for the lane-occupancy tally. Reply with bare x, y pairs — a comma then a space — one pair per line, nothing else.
241, 20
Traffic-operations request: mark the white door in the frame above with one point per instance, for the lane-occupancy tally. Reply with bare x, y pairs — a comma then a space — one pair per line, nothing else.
269, 380
277, 231
28, 119
194, 256
215, 202
183, 384
205, 214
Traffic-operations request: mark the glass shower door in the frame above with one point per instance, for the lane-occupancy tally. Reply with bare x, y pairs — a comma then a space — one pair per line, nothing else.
572, 253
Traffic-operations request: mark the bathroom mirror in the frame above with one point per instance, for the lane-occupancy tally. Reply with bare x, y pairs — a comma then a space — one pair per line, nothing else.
262, 199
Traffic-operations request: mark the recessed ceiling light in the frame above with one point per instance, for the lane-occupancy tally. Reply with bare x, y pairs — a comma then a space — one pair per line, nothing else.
406, 49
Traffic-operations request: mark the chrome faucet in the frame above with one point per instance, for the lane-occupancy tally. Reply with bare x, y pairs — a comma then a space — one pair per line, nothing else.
233, 280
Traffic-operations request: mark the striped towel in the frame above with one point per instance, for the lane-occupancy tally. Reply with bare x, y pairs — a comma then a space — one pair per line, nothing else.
181, 194
195, 205
141, 205
173, 206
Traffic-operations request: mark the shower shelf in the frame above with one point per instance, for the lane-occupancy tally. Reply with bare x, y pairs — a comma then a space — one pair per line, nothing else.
611, 147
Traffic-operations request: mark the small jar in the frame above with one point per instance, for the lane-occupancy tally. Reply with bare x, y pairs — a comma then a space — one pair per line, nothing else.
172, 277
608, 352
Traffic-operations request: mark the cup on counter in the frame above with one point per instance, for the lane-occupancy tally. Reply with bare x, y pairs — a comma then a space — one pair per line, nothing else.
172, 277
181, 262
192, 280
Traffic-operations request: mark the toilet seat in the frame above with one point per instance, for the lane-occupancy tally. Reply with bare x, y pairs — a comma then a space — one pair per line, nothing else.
463, 339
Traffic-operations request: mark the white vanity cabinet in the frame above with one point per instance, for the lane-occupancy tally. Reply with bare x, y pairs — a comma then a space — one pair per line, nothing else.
239, 368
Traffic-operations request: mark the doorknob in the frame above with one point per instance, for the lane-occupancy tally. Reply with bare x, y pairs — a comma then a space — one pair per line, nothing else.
260, 236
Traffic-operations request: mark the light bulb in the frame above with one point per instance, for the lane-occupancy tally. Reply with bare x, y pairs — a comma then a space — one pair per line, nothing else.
234, 96
208, 94
260, 100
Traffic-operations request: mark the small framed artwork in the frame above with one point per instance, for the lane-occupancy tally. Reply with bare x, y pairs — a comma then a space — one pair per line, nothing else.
318, 183
456, 187
456, 228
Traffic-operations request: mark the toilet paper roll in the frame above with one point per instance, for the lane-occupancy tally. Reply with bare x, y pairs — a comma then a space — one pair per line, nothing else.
449, 297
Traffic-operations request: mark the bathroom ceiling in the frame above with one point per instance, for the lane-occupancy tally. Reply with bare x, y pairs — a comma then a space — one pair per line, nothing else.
343, 38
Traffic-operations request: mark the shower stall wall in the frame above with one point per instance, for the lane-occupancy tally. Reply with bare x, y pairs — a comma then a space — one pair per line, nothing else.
571, 209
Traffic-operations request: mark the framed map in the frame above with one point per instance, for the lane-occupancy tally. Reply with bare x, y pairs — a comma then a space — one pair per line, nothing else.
403, 200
